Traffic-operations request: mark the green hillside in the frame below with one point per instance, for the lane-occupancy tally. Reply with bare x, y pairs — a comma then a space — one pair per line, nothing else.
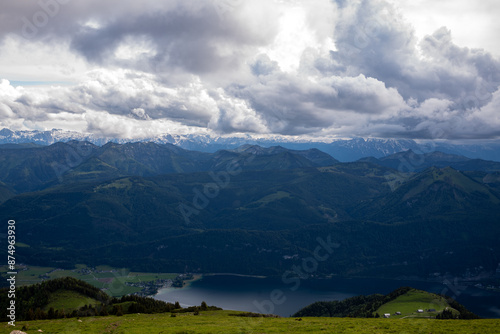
132, 314
150, 208
412, 301
30, 168
5, 193
68, 300
71, 298
434, 194
404, 302
438, 220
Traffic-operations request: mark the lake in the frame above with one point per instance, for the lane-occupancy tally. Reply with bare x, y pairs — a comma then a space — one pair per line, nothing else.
271, 295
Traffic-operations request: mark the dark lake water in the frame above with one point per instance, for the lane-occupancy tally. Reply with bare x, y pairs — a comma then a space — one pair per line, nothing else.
269, 295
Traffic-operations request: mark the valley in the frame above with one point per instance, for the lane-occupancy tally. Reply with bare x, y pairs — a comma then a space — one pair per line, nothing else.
116, 282
289, 215
230, 166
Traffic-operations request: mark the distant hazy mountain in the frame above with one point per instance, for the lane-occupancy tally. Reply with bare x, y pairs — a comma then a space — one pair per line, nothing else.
409, 161
343, 150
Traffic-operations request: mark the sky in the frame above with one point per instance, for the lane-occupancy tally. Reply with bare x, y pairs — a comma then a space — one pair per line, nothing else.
319, 69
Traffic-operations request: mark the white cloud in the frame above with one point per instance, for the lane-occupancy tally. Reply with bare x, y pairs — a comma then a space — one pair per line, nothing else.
37, 61
294, 67
108, 125
471, 22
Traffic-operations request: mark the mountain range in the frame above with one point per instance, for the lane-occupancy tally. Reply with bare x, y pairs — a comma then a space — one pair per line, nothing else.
344, 150
28, 168
250, 210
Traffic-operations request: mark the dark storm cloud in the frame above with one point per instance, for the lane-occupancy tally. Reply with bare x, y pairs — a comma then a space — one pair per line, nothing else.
296, 105
190, 35
189, 40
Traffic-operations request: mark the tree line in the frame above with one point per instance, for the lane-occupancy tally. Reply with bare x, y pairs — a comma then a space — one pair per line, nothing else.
32, 302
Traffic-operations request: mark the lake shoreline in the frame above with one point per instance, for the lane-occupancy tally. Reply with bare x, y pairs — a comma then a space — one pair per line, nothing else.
251, 293
196, 277
187, 284
234, 274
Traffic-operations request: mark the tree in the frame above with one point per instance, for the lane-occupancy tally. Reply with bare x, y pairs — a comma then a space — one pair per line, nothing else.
104, 311
52, 313
39, 314
446, 314
31, 314
204, 306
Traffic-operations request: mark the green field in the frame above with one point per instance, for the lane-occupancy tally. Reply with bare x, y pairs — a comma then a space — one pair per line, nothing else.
112, 280
409, 303
220, 322
69, 300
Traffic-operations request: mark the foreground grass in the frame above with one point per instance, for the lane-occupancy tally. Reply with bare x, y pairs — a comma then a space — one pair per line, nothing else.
221, 322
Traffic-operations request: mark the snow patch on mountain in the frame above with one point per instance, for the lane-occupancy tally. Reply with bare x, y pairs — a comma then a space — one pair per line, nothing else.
342, 149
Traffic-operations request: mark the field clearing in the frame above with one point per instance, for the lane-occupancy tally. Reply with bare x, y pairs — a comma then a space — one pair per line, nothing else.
221, 322
69, 301
412, 301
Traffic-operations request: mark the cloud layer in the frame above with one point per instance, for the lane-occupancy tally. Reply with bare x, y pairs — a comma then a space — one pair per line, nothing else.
294, 67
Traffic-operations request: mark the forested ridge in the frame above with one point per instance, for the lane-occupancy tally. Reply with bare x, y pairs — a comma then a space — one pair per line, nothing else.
32, 302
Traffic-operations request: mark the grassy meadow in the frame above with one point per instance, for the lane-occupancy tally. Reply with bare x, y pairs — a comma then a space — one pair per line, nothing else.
409, 303
69, 300
222, 322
